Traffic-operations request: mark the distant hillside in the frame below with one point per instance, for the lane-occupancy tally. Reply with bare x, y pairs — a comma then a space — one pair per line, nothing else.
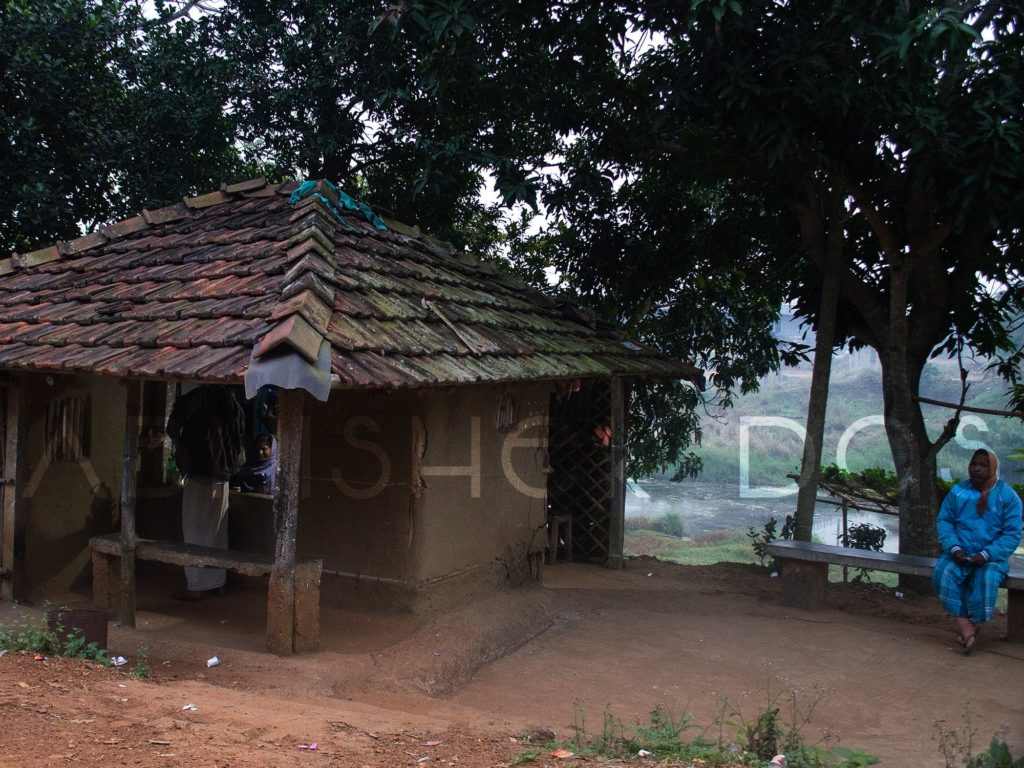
855, 393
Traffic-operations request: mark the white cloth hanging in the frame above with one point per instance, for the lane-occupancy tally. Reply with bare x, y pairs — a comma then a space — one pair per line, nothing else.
204, 521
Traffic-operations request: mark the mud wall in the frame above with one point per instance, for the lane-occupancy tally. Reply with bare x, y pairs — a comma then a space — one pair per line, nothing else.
64, 503
355, 507
480, 532
425, 488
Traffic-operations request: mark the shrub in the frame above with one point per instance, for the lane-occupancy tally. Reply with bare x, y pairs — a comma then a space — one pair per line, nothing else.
759, 540
996, 756
671, 524
765, 734
865, 536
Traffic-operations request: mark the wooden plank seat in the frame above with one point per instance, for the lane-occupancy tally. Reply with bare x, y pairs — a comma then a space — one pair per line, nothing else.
804, 574
105, 585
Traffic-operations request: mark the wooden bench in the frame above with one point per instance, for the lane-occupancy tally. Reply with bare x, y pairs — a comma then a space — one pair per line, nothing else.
805, 575
106, 585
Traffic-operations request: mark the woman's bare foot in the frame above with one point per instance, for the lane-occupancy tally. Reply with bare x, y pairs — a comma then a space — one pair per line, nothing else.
968, 634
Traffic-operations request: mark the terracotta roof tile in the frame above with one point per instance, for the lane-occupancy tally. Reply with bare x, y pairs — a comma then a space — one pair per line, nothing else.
190, 290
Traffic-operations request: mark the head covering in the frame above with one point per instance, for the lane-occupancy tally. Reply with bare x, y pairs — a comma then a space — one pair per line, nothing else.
993, 477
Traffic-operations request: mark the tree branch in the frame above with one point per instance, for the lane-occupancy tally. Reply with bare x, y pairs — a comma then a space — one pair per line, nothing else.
882, 230
185, 10
954, 423
970, 408
641, 311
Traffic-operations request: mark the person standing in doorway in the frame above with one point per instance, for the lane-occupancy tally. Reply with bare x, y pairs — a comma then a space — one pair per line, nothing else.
207, 428
979, 529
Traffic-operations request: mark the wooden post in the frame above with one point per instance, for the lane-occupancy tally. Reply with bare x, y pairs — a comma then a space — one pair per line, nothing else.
152, 456
617, 513
102, 588
1015, 615
10, 431
845, 537
803, 584
307, 606
129, 464
281, 593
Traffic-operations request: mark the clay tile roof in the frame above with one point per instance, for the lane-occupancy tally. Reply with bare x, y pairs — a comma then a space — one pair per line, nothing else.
189, 291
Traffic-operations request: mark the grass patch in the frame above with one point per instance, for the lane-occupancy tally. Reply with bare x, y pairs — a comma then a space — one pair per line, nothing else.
526, 756
722, 547
731, 741
140, 670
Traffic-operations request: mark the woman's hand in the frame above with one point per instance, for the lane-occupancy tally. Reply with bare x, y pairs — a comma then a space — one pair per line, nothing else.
978, 559
960, 556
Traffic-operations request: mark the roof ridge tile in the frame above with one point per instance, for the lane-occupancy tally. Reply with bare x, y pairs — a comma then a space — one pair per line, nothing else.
123, 228
306, 303
165, 215
36, 258
85, 243
205, 201
249, 185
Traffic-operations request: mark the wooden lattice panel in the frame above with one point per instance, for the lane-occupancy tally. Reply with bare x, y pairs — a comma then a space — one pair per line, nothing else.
580, 481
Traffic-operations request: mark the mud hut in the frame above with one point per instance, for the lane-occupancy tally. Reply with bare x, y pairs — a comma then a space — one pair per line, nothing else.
435, 414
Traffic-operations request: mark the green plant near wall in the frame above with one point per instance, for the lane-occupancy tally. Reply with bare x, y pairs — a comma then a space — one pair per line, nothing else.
33, 639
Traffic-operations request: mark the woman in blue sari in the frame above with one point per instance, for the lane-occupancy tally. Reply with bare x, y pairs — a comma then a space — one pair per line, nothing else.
979, 529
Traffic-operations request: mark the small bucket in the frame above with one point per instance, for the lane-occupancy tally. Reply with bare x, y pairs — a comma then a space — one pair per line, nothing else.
90, 623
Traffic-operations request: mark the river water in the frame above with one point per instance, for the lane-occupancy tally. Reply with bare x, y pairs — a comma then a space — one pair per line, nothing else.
707, 507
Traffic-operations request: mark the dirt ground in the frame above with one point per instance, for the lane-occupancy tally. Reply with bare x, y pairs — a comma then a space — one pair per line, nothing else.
879, 673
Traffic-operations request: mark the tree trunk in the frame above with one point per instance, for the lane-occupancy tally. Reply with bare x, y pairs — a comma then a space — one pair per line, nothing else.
810, 467
908, 437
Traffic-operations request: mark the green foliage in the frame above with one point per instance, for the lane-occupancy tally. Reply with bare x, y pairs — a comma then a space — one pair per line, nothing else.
765, 735
729, 741
874, 478
140, 670
341, 91
836, 757
102, 115
1017, 397
956, 745
760, 539
34, 639
718, 547
671, 524
865, 536
996, 756
526, 756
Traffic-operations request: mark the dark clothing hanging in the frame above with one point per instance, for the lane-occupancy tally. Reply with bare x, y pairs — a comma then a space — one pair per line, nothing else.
207, 426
